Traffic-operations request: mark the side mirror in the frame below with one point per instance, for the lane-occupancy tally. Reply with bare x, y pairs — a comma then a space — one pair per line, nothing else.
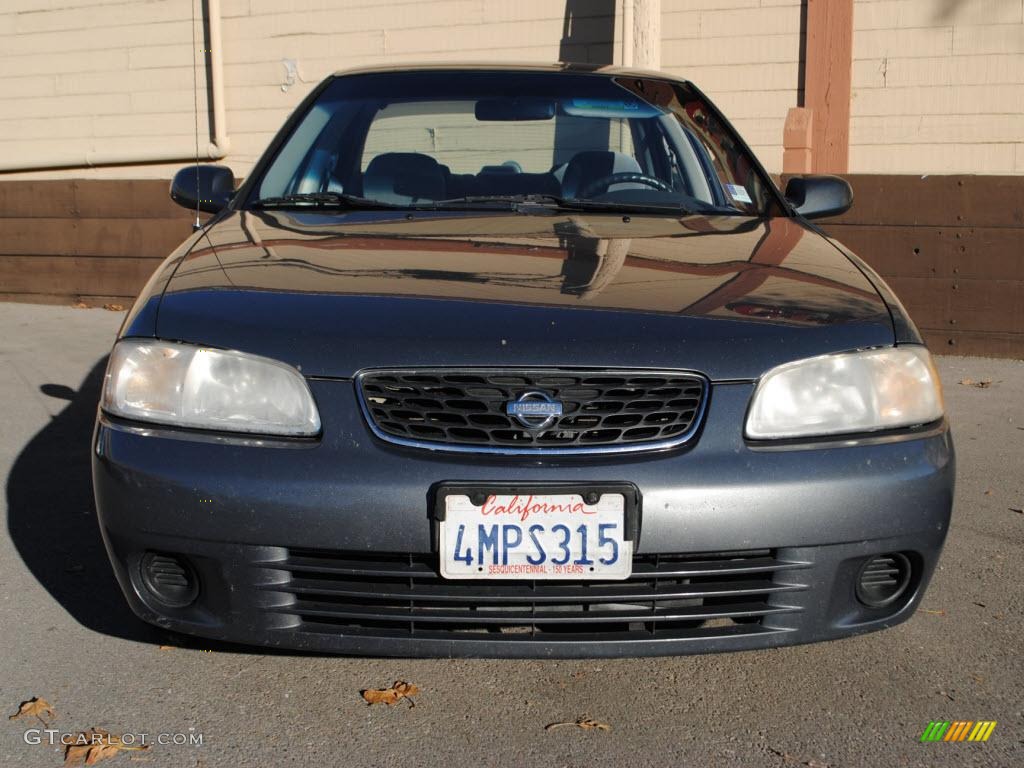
206, 187
817, 196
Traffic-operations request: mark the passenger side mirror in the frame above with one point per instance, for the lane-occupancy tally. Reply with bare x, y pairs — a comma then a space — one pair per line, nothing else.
817, 196
206, 187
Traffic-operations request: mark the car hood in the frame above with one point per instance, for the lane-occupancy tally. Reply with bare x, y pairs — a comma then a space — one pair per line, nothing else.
335, 293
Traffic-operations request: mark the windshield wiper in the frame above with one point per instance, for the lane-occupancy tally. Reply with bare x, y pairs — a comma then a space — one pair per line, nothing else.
520, 203
491, 201
554, 203
321, 200
599, 206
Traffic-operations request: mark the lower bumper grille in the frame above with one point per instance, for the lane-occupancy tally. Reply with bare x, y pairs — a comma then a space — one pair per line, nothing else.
402, 595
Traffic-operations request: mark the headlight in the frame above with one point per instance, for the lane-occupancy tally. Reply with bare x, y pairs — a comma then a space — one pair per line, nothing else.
851, 392
189, 386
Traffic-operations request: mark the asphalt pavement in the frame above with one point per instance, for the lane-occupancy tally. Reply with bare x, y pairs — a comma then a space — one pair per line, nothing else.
68, 637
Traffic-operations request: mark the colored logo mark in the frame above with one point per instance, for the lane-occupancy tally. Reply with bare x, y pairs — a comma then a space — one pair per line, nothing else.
958, 730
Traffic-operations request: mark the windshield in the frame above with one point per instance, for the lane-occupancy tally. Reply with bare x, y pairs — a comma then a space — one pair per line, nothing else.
459, 139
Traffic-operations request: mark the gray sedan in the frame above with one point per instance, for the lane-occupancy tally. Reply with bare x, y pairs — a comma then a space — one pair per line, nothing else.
518, 361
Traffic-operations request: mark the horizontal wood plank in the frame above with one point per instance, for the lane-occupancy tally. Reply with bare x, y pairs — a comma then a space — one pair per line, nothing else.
99, 198
979, 343
74, 275
964, 304
140, 238
969, 252
935, 201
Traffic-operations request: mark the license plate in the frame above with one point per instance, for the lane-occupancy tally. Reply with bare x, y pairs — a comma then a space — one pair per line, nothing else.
535, 536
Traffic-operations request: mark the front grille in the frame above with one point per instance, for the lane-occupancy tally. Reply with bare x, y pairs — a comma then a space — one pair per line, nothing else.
465, 410
402, 595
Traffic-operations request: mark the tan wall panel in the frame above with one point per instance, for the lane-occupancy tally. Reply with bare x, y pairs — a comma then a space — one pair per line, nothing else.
960, 65
90, 75
122, 68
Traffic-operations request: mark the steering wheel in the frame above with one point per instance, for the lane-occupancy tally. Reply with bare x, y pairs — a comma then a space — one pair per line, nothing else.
628, 177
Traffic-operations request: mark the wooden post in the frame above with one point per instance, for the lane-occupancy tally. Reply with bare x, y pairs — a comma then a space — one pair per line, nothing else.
796, 141
828, 65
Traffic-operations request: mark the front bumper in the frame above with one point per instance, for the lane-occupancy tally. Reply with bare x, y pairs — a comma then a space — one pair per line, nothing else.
762, 547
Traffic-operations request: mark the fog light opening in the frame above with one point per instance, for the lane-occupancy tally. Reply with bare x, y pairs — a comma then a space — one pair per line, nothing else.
882, 579
169, 579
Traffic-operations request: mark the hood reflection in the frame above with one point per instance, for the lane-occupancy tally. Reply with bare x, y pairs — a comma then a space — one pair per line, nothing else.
770, 271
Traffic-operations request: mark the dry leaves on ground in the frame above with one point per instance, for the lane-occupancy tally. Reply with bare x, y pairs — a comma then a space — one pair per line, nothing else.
34, 707
94, 745
391, 696
114, 307
586, 723
79, 305
983, 384
933, 613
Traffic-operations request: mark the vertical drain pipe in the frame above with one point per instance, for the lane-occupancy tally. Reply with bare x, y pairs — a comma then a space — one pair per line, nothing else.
220, 144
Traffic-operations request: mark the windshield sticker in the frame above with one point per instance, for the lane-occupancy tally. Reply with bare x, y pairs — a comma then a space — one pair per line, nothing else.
738, 193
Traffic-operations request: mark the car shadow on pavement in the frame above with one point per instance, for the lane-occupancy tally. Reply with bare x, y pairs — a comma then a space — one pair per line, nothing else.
51, 518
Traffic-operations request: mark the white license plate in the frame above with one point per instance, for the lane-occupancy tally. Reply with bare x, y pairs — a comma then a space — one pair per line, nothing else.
539, 536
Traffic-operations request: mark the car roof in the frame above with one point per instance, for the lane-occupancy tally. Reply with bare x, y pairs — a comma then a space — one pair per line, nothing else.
492, 66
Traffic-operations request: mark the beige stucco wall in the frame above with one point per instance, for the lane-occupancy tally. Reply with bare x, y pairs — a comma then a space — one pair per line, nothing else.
91, 74
938, 84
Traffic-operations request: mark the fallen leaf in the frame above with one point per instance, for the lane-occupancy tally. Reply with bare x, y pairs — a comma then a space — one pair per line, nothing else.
933, 613
168, 647
983, 384
988, 492
391, 696
79, 305
586, 723
34, 707
114, 307
94, 745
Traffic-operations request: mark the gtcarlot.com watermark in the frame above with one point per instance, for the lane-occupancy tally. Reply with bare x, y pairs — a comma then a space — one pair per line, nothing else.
55, 737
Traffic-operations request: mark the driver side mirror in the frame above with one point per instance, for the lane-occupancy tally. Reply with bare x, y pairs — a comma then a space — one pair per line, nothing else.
818, 196
206, 187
